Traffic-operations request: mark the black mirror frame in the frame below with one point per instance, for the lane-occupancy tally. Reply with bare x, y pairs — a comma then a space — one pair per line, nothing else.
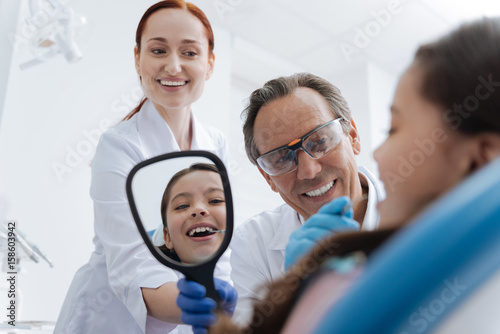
203, 272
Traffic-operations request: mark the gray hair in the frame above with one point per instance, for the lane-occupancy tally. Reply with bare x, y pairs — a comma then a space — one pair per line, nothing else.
284, 86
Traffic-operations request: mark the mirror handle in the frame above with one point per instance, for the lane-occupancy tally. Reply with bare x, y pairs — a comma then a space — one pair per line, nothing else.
208, 282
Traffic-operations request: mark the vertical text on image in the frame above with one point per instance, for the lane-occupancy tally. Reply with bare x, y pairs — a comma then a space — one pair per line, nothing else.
11, 273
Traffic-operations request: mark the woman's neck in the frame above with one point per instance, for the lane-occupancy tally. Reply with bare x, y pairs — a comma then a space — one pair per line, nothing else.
179, 122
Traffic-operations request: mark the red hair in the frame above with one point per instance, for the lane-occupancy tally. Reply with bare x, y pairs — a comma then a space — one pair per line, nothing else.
174, 4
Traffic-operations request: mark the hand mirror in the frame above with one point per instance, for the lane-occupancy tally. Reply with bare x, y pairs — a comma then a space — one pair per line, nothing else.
182, 205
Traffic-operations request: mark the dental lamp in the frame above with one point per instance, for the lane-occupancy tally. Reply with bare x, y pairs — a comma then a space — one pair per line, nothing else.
55, 28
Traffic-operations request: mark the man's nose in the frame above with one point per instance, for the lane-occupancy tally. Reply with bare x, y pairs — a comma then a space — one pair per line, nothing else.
307, 167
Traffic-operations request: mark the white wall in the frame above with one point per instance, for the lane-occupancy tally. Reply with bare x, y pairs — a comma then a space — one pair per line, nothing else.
47, 111
8, 21
55, 112
382, 85
251, 192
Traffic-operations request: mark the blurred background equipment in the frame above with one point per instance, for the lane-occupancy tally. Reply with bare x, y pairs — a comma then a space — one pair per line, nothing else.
54, 29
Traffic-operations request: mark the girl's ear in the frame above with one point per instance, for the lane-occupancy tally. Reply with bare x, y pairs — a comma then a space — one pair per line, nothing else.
168, 239
486, 148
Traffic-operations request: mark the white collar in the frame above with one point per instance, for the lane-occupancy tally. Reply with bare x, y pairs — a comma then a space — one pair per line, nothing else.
289, 222
201, 138
370, 222
157, 137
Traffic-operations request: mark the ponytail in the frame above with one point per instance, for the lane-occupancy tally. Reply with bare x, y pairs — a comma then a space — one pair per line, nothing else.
136, 109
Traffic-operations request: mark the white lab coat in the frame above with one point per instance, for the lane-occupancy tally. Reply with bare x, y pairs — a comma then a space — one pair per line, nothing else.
105, 295
258, 247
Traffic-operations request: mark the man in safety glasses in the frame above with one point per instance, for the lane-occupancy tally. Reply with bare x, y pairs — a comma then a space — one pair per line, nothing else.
299, 132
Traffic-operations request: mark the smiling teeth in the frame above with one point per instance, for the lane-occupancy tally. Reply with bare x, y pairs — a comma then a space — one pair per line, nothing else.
200, 229
321, 191
173, 83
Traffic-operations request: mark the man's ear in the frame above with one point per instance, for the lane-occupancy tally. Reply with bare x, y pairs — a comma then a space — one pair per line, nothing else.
137, 58
486, 148
354, 138
269, 180
211, 64
167, 238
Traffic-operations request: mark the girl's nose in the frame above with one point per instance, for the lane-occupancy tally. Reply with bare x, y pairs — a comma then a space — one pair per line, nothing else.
199, 212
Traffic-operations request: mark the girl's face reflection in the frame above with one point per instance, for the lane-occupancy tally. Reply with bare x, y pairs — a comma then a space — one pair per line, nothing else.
422, 156
196, 208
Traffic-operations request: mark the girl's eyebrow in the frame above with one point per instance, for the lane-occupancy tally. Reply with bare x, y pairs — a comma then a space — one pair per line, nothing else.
183, 194
213, 189
188, 194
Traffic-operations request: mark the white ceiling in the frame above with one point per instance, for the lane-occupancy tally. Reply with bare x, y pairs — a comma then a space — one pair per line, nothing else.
276, 37
308, 35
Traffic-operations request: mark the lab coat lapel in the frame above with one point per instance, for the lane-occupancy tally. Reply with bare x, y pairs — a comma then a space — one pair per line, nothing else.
201, 138
367, 179
157, 138
290, 222
155, 134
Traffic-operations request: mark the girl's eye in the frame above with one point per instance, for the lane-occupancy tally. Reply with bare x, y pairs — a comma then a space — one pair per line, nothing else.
216, 201
190, 53
181, 207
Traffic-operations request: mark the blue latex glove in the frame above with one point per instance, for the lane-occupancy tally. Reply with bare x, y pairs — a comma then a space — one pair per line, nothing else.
331, 217
197, 310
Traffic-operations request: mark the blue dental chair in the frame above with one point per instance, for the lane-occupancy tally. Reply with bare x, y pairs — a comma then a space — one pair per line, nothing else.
429, 271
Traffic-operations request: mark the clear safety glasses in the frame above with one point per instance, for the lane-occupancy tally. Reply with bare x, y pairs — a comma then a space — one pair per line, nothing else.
315, 144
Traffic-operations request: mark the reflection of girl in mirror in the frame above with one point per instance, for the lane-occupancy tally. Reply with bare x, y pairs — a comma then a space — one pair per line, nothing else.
430, 105
174, 57
193, 209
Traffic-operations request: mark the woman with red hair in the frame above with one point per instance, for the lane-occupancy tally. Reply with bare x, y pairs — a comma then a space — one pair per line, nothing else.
123, 288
